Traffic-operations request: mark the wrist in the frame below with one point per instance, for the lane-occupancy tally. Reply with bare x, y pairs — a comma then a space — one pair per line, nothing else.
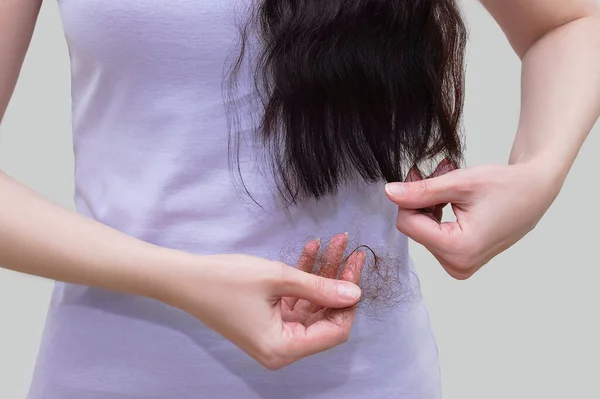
552, 155
161, 273
173, 273
546, 169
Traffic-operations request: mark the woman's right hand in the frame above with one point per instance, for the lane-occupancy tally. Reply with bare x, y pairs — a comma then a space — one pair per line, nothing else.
276, 313
272, 311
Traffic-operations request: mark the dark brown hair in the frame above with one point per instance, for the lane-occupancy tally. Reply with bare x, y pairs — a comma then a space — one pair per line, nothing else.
353, 89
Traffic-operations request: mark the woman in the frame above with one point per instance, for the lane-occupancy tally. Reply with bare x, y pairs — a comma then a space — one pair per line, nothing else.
154, 298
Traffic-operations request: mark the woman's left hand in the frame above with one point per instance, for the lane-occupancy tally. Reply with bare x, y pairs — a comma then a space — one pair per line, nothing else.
495, 206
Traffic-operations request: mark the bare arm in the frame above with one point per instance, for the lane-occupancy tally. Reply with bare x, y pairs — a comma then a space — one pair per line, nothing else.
233, 294
559, 43
496, 205
17, 20
41, 238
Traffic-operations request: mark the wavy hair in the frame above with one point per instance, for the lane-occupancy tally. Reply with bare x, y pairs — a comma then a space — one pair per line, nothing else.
353, 89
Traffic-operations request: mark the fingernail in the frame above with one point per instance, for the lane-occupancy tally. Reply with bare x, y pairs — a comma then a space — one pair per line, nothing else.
349, 291
394, 189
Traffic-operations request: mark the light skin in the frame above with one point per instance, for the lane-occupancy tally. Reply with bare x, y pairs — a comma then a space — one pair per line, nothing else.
279, 316
559, 44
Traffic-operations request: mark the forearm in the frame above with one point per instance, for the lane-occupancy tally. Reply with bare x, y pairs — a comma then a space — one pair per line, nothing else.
560, 96
41, 238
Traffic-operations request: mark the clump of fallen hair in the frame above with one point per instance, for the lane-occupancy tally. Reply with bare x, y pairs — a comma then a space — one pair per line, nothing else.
384, 285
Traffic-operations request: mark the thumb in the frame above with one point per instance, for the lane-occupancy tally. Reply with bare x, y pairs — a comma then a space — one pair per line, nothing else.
327, 292
426, 193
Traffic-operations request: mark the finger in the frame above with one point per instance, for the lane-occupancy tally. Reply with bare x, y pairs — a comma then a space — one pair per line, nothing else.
446, 166
306, 263
329, 268
325, 332
308, 257
428, 192
426, 230
320, 315
438, 212
352, 272
323, 291
334, 256
354, 266
414, 174
318, 337
330, 327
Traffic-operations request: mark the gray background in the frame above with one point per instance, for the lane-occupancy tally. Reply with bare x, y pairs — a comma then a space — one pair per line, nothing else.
526, 326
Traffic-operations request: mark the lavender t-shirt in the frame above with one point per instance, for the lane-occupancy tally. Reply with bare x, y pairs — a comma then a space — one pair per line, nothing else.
151, 152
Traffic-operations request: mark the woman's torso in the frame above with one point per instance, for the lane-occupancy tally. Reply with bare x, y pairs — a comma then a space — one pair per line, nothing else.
151, 159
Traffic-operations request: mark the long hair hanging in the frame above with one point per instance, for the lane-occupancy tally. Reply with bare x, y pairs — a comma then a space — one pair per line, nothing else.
354, 89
